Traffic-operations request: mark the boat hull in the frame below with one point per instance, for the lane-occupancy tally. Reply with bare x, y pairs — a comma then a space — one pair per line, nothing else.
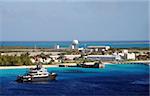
36, 79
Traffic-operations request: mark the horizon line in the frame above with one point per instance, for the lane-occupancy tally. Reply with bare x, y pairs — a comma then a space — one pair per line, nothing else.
78, 40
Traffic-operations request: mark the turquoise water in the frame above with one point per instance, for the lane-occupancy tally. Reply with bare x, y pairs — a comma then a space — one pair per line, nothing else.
50, 44
114, 80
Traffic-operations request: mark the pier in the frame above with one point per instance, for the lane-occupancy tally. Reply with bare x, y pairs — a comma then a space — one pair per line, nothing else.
135, 62
84, 65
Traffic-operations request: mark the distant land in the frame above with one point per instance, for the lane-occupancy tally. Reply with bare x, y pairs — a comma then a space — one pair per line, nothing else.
66, 44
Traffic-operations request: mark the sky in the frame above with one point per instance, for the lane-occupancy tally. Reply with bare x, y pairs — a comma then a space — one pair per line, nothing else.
64, 20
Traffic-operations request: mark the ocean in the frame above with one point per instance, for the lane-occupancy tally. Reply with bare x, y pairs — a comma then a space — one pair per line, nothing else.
113, 80
65, 44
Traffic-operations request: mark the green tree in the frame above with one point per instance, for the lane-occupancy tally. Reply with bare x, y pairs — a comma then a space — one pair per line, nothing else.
15, 60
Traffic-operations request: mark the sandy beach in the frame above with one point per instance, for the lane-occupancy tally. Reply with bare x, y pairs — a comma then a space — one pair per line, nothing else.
73, 64
54, 65
16, 67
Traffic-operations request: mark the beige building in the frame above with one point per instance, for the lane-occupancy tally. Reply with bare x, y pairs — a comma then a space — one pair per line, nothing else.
98, 48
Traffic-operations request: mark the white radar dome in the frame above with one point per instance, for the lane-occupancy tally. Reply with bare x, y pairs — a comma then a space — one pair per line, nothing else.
75, 42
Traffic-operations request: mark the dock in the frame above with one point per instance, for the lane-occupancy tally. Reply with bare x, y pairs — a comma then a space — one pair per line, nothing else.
84, 65
68, 65
134, 62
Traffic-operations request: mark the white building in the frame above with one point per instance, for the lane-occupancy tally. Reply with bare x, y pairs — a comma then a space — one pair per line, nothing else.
32, 60
74, 44
121, 54
13, 53
98, 48
126, 55
103, 57
71, 57
125, 51
131, 56
72, 47
41, 60
54, 57
57, 47
47, 60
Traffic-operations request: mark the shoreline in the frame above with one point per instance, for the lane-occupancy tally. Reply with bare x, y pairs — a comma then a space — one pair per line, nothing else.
20, 67
46, 66
57, 65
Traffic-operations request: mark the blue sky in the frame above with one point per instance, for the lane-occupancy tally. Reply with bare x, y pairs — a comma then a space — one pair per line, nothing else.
63, 20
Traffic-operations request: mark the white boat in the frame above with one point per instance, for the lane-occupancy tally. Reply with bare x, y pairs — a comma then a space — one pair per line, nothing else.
37, 74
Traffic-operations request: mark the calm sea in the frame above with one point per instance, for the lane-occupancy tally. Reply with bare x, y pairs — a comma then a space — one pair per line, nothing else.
51, 44
114, 80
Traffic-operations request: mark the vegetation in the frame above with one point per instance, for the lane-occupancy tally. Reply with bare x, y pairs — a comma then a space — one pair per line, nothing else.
15, 60
62, 57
